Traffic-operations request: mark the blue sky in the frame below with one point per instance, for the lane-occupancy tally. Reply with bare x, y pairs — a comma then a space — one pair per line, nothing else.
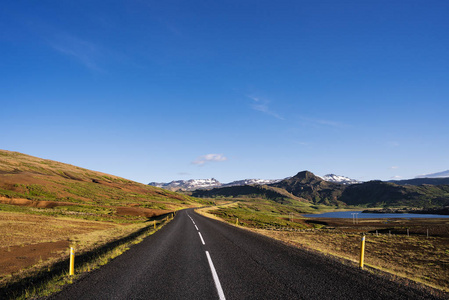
165, 90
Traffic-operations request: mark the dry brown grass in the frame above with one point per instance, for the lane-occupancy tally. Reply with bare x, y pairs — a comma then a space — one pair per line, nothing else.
34, 240
22, 229
416, 257
47, 273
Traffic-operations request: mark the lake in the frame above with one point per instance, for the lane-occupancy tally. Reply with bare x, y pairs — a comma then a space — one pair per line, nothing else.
348, 215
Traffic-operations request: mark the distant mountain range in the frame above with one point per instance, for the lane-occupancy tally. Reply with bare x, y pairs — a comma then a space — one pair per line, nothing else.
196, 184
443, 174
188, 185
305, 186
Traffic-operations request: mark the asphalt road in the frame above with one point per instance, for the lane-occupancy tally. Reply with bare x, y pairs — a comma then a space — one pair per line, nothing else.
194, 257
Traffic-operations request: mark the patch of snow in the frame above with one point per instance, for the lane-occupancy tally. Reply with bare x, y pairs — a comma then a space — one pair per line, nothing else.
195, 184
339, 179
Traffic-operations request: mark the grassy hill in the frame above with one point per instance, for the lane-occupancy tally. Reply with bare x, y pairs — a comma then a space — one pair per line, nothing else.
61, 189
249, 191
378, 193
421, 181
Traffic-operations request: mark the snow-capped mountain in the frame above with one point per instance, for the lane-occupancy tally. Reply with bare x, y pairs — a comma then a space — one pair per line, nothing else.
252, 181
435, 175
188, 185
201, 184
196, 184
339, 179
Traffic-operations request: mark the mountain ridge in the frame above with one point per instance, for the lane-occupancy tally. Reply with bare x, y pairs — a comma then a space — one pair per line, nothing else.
443, 174
423, 180
313, 189
194, 184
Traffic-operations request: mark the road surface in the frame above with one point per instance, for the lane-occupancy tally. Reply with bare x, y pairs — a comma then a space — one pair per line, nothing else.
194, 257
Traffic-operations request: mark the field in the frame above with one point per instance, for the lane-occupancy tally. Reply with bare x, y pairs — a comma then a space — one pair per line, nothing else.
32, 241
397, 246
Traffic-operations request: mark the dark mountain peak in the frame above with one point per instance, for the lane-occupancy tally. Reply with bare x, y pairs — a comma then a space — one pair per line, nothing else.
307, 185
305, 177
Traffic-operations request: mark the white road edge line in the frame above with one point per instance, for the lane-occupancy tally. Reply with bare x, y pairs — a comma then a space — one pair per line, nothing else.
215, 276
196, 227
201, 238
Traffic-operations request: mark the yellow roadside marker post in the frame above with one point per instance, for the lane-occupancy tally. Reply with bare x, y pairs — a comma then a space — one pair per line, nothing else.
72, 261
237, 221
362, 252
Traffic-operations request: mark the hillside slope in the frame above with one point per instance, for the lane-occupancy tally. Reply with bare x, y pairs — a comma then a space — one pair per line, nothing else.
31, 181
421, 181
378, 193
249, 191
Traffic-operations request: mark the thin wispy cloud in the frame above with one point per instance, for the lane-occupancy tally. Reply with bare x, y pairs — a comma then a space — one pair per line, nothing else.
183, 174
85, 52
393, 144
263, 106
394, 168
209, 158
323, 122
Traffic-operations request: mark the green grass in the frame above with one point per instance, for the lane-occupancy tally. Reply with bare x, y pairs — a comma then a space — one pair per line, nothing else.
264, 213
261, 213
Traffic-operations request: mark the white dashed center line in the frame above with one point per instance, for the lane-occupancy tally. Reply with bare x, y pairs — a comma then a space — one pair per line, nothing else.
221, 295
201, 238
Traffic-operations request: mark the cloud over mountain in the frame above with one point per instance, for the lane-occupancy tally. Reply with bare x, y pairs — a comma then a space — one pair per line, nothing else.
208, 158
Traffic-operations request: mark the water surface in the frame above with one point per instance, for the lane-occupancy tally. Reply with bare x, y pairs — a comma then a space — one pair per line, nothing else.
360, 215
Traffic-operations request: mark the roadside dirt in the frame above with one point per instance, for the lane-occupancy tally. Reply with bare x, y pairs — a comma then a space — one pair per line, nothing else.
27, 239
15, 258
